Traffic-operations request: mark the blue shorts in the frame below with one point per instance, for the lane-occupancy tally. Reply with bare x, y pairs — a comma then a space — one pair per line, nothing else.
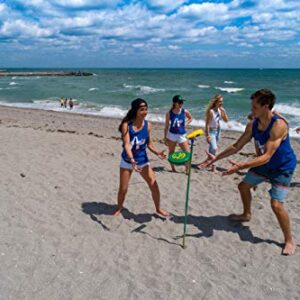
280, 180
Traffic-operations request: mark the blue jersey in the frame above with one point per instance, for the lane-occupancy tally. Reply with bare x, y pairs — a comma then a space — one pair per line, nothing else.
138, 141
284, 158
177, 122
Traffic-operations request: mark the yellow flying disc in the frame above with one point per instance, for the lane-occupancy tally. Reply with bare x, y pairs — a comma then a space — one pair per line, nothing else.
194, 134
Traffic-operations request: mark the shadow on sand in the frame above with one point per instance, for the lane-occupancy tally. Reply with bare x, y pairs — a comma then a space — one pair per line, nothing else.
206, 225
94, 209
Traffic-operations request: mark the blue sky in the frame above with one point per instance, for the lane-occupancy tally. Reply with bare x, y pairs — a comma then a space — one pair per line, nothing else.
150, 33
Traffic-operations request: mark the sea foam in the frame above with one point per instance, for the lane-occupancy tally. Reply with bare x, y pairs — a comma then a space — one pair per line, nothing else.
143, 88
291, 110
229, 90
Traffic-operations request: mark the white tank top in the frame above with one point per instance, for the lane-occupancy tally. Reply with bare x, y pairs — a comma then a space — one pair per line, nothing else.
215, 121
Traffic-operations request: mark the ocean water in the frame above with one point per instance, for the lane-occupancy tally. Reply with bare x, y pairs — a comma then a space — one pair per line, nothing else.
110, 91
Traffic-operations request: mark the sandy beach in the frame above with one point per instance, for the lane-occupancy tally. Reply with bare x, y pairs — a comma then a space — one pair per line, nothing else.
59, 181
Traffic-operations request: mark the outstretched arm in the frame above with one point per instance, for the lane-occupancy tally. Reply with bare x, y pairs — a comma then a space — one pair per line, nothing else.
238, 145
278, 133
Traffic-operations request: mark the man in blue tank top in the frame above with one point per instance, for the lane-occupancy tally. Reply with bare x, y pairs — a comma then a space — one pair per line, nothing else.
275, 162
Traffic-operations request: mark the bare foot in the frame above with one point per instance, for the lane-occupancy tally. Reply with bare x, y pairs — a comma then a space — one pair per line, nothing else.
202, 166
117, 212
163, 212
240, 218
289, 249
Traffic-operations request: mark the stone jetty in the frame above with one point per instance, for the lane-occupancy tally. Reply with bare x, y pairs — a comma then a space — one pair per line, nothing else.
4, 73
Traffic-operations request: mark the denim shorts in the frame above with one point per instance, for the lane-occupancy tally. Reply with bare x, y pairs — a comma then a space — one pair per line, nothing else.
280, 180
214, 135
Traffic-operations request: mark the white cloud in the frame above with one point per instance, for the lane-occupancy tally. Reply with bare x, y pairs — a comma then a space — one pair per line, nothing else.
262, 17
200, 32
231, 29
246, 45
207, 11
166, 5
155, 26
138, 45
173, 47
21, 28
274, 4
6, 13
84, 3
235, 3
3, 8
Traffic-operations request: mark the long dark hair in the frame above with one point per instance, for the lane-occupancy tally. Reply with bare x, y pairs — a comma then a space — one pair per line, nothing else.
131, 114
172, 107
176, 99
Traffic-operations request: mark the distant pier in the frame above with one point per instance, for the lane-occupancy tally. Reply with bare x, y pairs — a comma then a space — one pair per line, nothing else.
4, 73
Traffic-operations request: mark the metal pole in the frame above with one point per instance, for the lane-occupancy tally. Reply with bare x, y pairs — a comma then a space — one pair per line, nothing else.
187, 195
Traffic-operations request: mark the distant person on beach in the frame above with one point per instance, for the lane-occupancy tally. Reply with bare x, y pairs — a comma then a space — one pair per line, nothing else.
214, 113
62, 101
65, 103
177, 119
275, 163
137, 137
71, 103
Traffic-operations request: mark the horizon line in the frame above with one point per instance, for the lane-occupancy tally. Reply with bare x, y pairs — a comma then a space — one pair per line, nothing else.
158, 68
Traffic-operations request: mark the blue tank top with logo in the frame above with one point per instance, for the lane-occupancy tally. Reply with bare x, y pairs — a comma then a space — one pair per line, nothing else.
138, 140
177, 122
284, 159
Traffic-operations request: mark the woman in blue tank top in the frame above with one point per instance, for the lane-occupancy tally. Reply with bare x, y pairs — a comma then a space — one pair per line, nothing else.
176, 121
136, 136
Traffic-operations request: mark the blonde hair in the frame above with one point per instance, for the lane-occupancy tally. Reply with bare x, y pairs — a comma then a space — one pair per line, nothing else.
212, 103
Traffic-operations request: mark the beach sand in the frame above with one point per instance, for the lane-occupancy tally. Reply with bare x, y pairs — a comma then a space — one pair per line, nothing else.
59, 181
